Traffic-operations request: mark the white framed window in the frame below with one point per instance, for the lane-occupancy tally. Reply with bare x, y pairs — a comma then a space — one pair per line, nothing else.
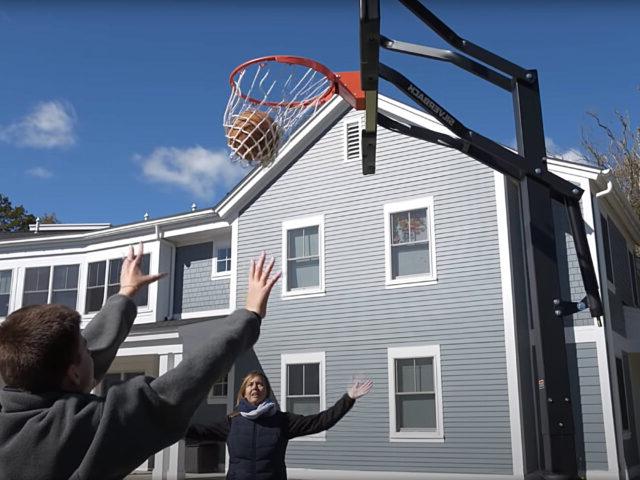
303, 385
410, 250
219, 392
352, 139
221, 260
415, 394
303, 256
5, 291
103, 280
51, 284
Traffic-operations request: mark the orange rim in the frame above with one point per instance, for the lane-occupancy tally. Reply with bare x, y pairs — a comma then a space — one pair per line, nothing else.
291, 60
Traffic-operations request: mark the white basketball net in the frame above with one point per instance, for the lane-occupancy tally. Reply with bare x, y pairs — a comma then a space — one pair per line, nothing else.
284, 95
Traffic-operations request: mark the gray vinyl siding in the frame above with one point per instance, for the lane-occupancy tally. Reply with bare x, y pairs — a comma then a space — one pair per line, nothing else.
358, 318
587, 406
194, 290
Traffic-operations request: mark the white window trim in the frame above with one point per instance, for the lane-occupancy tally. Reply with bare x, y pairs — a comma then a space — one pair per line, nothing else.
228, 399
296, 358
347, 122
287, 225
394, 353
414, 280
214, 263
50, 286
85, 265
12, 288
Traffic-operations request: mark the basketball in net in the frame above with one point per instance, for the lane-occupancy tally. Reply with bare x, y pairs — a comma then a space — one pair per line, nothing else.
253, 136
271, 97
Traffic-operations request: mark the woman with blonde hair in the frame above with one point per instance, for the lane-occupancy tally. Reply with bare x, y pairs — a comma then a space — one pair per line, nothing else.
257, 432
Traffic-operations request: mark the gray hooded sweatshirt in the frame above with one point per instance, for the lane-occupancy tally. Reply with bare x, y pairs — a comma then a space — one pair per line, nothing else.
77, 436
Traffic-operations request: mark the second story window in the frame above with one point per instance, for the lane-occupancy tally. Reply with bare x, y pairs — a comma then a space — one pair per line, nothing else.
5, 291
410, 254
303, 256
57, 284
104, 281
222, 264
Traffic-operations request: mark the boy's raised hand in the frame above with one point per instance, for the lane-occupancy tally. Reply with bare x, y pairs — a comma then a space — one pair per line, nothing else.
131, 277
260, 285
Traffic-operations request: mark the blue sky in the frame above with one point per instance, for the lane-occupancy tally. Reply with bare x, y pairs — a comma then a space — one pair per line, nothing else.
110, 109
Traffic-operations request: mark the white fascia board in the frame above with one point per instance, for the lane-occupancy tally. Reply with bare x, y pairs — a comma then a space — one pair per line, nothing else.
133, 228
581, 170
178, 232
299, 142
406, 114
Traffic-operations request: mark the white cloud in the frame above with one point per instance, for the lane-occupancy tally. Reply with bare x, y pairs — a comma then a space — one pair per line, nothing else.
40, 172
196, 170
556, 151
49, 125
571, 154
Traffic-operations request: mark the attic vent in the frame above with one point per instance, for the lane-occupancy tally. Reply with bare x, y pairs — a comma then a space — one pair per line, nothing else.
352, 148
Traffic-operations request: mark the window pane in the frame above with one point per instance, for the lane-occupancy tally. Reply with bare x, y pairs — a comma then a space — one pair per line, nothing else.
312, 379
37, 279
410, 260
399, 227
416, 411
95, 296
5, 282
424, 374
141, 298
112, 290
295, 380
418, 225
607, 248
65, 297
295, 243
303, 273
405, 375
304, 406
4, 304
311, 241
96, 274
34, 298
622, 394
115, 267
65, 277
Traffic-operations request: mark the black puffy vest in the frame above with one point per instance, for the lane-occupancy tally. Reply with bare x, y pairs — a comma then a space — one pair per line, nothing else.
257, 448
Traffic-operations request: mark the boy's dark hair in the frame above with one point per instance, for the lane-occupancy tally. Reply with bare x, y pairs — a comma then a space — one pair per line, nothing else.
37, 345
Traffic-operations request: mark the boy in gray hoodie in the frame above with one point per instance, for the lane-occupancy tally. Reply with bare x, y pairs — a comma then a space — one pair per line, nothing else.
52, 428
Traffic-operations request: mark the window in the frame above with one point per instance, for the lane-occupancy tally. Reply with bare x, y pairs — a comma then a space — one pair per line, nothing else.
5, 291
606, 246
221, 260
41, 287
352, 134
410, 249
303, 249
100, 276
219, 390
303, 384
622, 393
415, 399
633, 278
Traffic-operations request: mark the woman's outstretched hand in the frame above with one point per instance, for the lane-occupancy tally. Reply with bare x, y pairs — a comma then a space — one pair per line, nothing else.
260, 285
359, 388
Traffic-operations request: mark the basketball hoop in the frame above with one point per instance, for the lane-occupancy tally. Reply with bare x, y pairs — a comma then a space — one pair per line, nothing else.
270, 97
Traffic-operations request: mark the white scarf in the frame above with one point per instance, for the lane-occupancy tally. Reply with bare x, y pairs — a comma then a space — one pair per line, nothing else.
267, 408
